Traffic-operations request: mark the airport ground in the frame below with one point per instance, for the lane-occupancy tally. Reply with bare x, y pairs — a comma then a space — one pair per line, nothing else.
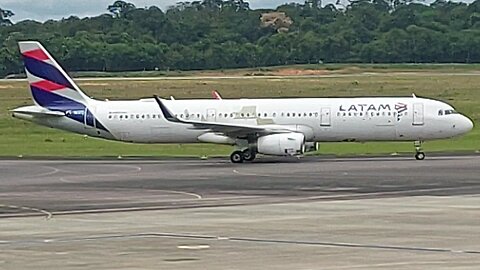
456, 84
312, 213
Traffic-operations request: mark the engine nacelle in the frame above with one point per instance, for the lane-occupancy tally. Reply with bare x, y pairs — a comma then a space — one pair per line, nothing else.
286, 144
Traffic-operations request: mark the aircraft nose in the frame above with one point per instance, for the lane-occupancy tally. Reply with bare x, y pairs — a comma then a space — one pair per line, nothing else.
465, 125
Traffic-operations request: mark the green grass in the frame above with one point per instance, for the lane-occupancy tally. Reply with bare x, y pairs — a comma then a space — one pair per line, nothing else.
19, 138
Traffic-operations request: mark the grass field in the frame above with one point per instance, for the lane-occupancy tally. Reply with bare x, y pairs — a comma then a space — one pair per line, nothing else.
19, 138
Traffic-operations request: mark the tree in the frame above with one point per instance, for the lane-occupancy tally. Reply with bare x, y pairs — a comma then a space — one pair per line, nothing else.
120, 8
4, 15
208, 34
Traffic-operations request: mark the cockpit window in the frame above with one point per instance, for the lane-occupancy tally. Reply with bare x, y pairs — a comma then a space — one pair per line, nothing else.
447, 112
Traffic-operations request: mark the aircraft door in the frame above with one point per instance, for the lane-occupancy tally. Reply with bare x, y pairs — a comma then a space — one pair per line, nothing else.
89, 119
325, 117
418, 114
211, 115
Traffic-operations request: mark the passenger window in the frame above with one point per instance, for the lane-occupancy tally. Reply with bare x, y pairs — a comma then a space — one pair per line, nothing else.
288, 114
293, 114
274, 114
265, 115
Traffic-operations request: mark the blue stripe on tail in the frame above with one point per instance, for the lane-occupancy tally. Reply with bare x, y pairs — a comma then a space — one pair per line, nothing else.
46, 71
53, 101
72, 109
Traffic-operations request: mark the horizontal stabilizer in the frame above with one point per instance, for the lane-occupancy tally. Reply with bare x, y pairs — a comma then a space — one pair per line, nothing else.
37, 111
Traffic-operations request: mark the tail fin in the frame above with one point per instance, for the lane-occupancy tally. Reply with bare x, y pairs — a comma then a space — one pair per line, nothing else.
50, 85
216, 95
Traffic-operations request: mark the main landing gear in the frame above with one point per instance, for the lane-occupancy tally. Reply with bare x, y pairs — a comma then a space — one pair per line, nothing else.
419, 154
241, 156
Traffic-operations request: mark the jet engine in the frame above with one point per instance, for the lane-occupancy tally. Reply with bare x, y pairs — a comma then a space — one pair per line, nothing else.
286, 144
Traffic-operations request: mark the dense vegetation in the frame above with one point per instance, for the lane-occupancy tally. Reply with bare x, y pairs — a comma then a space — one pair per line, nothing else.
214, 34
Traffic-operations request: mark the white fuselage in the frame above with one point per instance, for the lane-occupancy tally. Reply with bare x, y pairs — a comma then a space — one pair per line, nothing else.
319, 119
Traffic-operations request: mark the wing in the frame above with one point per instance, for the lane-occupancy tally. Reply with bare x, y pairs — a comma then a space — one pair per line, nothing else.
230, 130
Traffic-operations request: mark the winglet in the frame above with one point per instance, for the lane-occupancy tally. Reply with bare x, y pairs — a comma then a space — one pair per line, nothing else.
165, 111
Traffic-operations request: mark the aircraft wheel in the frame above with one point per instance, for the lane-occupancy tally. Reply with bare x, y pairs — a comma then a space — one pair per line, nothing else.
420, 156
248, 155
236, 157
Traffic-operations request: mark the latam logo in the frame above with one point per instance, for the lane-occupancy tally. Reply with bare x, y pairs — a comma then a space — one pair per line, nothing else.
400, 107
365, 108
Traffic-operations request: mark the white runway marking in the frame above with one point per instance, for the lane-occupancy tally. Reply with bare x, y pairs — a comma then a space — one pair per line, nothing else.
52, 172
42, 211
269, 241
196, 247
198, 196
66, 179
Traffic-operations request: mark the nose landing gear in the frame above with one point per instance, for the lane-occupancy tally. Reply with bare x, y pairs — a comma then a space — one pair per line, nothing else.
419, 154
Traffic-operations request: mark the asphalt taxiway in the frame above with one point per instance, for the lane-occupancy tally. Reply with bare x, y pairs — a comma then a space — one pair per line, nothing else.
313, 213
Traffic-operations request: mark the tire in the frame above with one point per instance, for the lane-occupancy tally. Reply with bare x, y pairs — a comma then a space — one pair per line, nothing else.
248, 155
236, 157
420, 156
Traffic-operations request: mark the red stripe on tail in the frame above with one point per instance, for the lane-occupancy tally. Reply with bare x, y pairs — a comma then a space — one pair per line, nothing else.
48, 86
36, 54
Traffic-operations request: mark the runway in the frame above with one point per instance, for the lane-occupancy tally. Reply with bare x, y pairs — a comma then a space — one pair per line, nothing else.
337, 213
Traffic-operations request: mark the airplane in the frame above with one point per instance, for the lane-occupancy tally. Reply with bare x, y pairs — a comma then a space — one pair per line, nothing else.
277, 127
